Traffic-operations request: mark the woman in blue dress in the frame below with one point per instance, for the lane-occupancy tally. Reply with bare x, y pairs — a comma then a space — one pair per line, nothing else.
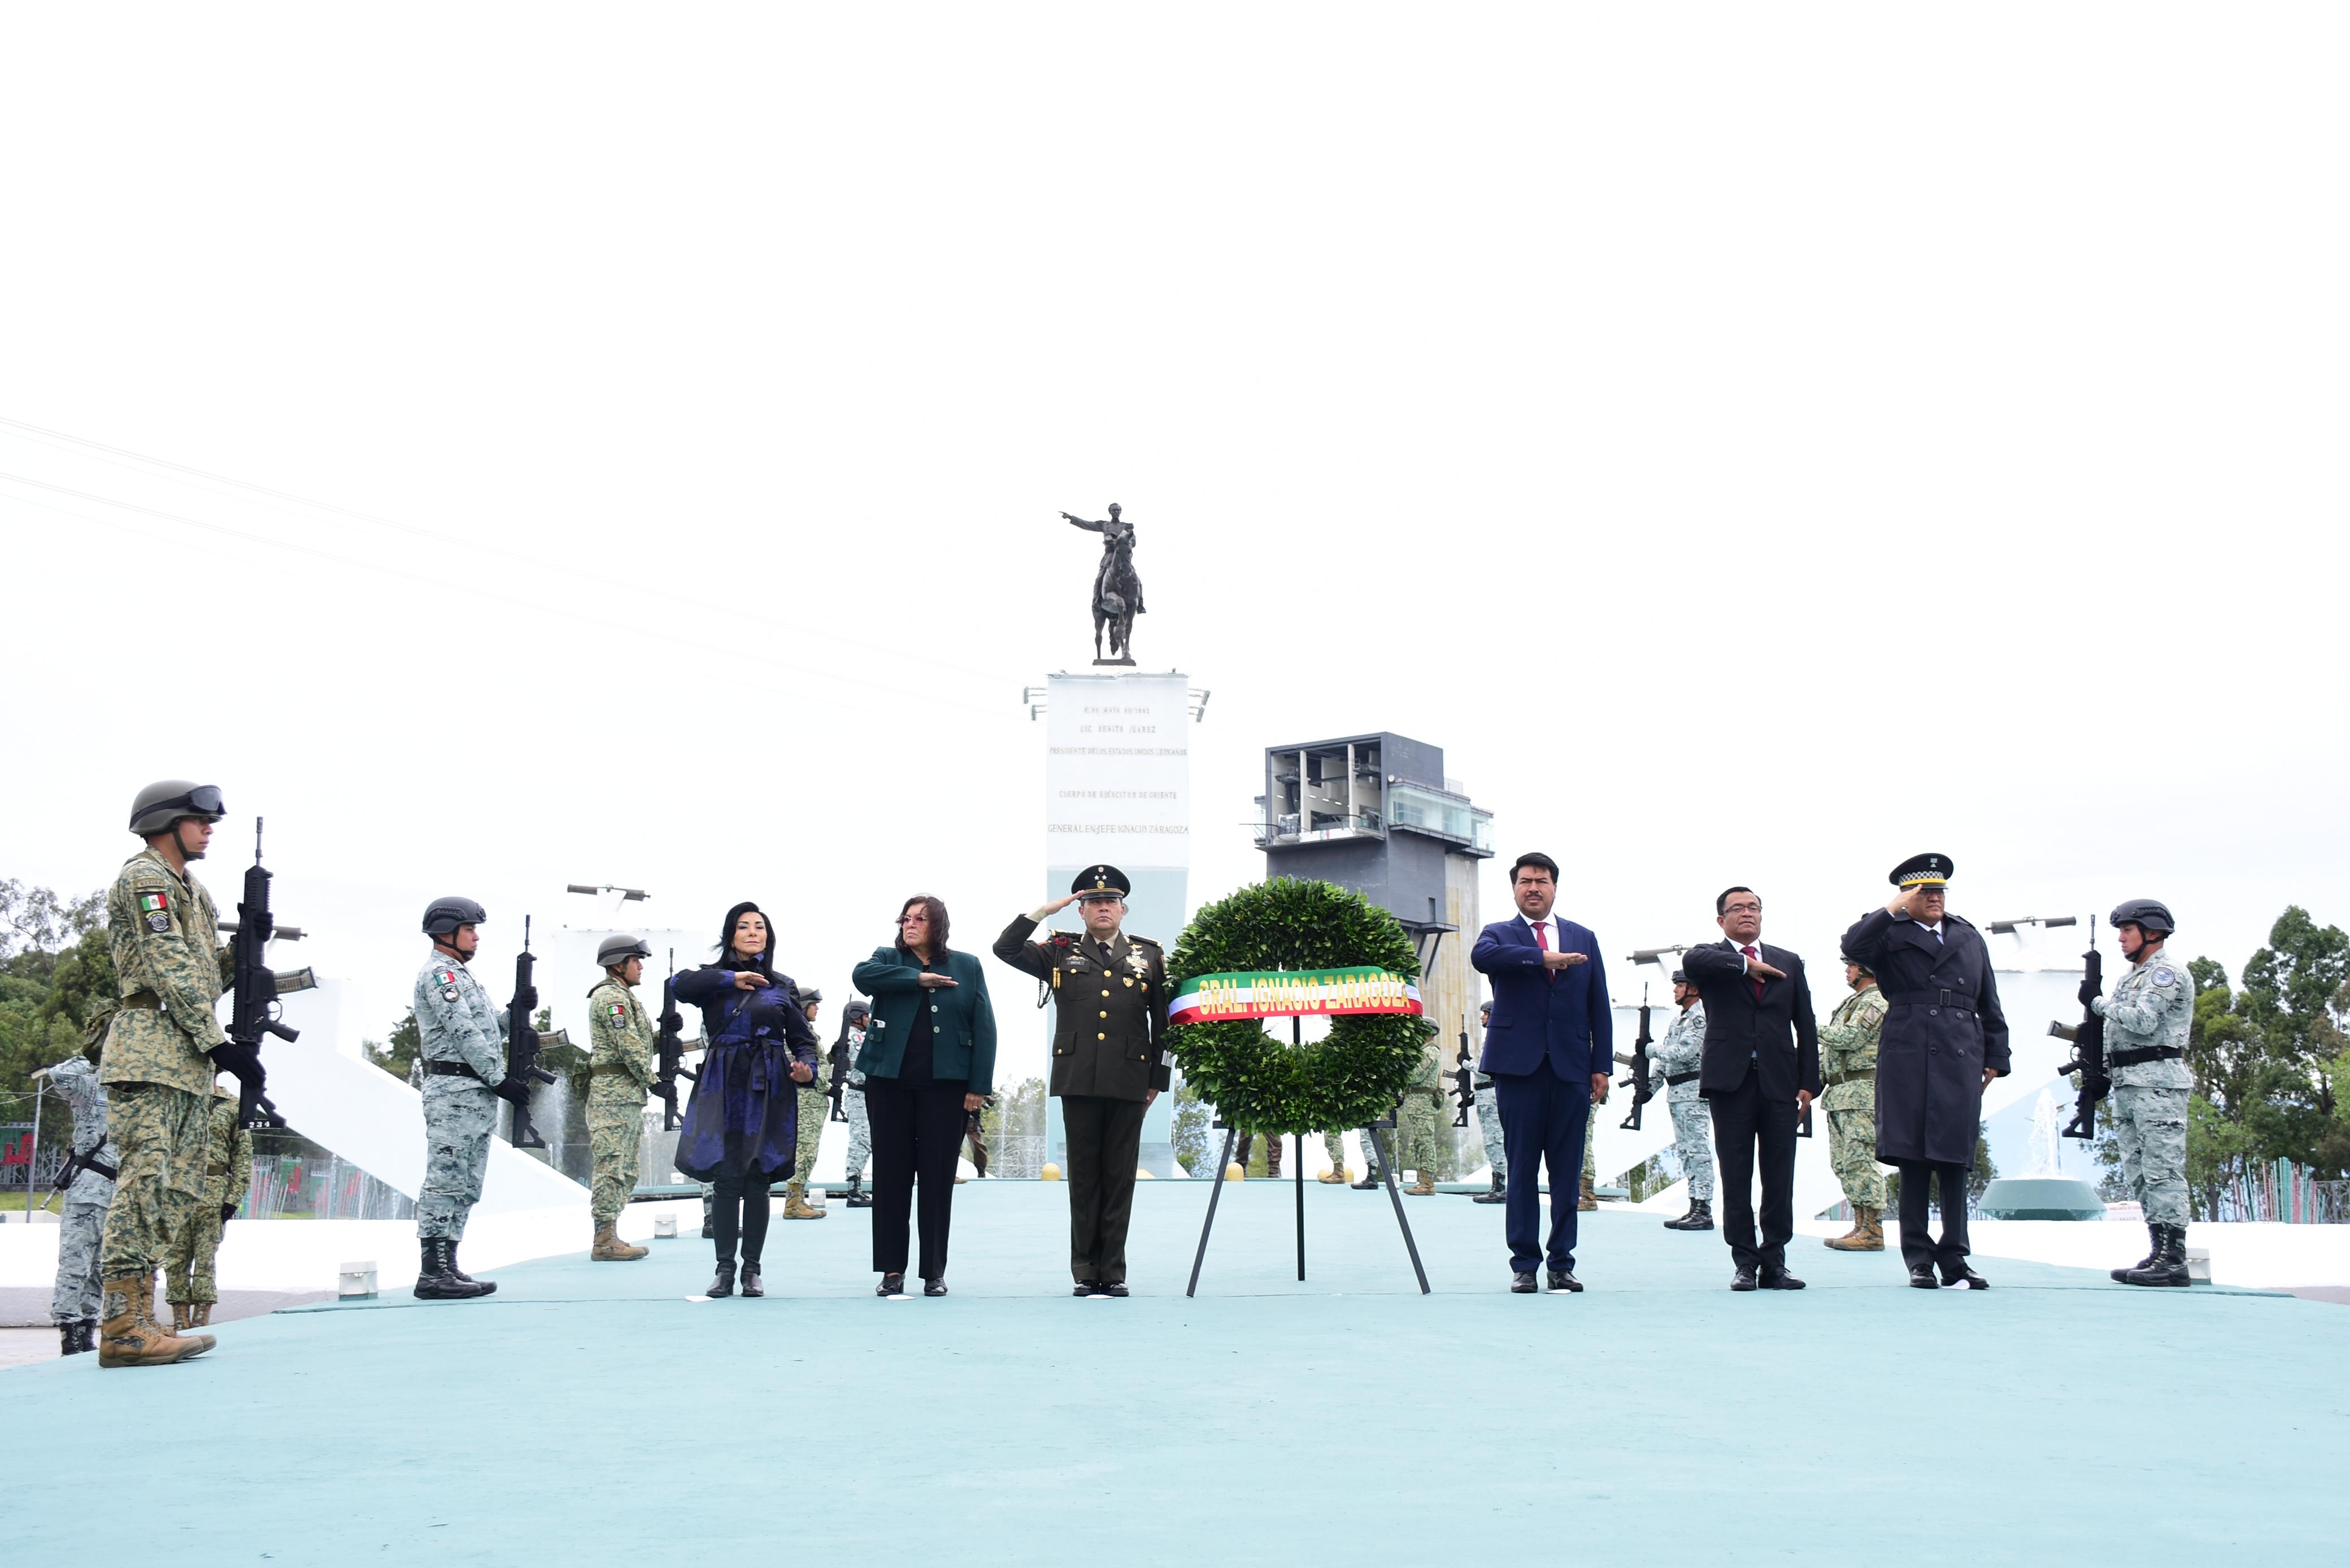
741, 1125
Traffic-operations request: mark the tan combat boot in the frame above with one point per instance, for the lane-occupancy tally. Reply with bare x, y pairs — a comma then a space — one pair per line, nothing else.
1336, 1175
1424, 1188
610, 1249
130, 1336
1586, 1199
1867, 1235
795, 1203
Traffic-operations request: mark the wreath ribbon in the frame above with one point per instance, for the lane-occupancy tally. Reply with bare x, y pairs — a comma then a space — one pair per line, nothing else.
1291, 993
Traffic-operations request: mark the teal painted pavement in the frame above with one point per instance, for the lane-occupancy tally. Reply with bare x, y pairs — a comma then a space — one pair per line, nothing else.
590, 1414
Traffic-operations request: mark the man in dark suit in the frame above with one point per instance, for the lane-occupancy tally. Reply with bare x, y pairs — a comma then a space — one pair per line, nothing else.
1762, 1067
1549, 1048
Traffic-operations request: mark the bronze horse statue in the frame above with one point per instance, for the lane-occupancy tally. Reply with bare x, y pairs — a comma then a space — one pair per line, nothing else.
1117, 591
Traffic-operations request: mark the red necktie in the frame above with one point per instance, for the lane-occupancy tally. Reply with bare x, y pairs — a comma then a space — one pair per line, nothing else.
1542, 940
1756, 981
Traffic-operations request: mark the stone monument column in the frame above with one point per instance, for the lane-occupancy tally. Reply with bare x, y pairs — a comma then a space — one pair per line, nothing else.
1118, 792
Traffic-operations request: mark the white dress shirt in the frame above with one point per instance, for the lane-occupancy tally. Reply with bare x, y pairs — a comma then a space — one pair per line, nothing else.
1549, 930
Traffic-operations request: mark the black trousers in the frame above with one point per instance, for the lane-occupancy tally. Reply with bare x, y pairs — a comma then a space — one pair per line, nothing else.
1744, 1124
1543, 1122
917, 1132
1918, 1243
1104, 1140
739, 1208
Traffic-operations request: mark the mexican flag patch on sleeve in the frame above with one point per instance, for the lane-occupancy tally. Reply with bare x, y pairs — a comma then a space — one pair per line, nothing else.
620, 1013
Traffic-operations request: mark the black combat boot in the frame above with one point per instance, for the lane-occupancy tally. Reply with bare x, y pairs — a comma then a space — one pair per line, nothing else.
89, 1327
69, 1339
1498, 1193
857, 1197
2169, 1264
437, 1279
1698, 1218
2153, 1255
451, 1260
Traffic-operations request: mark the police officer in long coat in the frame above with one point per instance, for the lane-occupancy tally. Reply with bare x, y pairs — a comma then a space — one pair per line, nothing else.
1109, 992
1944, 1040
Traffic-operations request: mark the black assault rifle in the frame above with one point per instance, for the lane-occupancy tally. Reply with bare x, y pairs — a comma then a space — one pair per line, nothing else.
671, 1048
2088, 1038
253, 1016
522, 1045
1643, 1087
838, 1061
1464, 1084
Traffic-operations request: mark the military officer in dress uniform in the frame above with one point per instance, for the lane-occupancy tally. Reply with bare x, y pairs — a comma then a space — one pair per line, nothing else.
1109, 993
1943, 1041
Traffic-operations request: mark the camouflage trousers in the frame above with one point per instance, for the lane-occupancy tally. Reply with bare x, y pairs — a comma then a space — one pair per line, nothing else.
616, 1126
1489, 1123
75, 1299
1693, 1137
1415, 1147
164, 1136
1591, 1144
188, 1266
1852, 1155
459, 1118
814, 1107
2151, 1125
1334, 1145
860, 1129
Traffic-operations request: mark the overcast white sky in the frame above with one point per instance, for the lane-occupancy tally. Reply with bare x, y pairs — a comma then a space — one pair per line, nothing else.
1757, 443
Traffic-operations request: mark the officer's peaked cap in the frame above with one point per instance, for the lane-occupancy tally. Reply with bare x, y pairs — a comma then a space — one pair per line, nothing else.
1101, 882
1922, 871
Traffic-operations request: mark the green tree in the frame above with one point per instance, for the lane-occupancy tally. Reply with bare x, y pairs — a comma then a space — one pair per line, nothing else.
399, 1056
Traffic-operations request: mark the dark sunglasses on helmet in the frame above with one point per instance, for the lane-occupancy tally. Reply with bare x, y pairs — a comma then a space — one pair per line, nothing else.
204, 800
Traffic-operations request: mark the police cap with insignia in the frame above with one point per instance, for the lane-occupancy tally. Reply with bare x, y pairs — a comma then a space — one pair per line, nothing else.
166, 801
1922, 871
443, 916
2148, 915
617, 950
1100, 882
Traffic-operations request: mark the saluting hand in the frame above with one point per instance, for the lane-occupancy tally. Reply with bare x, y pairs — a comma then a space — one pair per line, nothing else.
749, 979
1564, 960
934, 982
1057, 905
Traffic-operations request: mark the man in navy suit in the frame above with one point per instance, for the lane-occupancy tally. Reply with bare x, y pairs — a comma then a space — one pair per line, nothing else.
1549, 1049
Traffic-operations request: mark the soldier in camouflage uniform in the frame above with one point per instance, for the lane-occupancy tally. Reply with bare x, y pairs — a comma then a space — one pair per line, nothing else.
2146, 1019
465, 1054
188, 1282
164, 1046
74, 1303
1489, 1126
1848, 1062
801, 1201
1417, 1120
620, 1076
1677, 1059
852, 1103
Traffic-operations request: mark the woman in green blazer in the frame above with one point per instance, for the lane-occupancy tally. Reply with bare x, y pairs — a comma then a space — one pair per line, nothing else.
929, 1060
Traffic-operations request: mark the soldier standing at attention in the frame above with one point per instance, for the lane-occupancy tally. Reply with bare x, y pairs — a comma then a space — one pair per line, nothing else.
853, 1020
163, 1048
74, 1302
620, 1075
814, 1110
1489, 1126
2146, 1054
188, 1281
1109, 994
465, 1054
1417, 1119
1848, 1061
1680, 1057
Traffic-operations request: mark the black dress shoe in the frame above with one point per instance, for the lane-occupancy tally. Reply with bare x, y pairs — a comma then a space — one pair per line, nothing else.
1565, 1279
891, 1285
1743, 1280
934, 1287
1085, 1288
751, 1285
1523, 1284
1780, 1280
1110, 1289
1966, 1278
1922, 1275
724, 1285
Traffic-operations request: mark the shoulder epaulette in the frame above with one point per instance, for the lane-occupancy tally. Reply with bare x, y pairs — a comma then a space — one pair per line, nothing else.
1144, 942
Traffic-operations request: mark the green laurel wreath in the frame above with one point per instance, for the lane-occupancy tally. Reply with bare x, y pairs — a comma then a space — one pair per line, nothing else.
1262, 1085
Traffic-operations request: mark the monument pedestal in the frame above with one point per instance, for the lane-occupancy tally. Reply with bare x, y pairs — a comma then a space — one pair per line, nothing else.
1118, 792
